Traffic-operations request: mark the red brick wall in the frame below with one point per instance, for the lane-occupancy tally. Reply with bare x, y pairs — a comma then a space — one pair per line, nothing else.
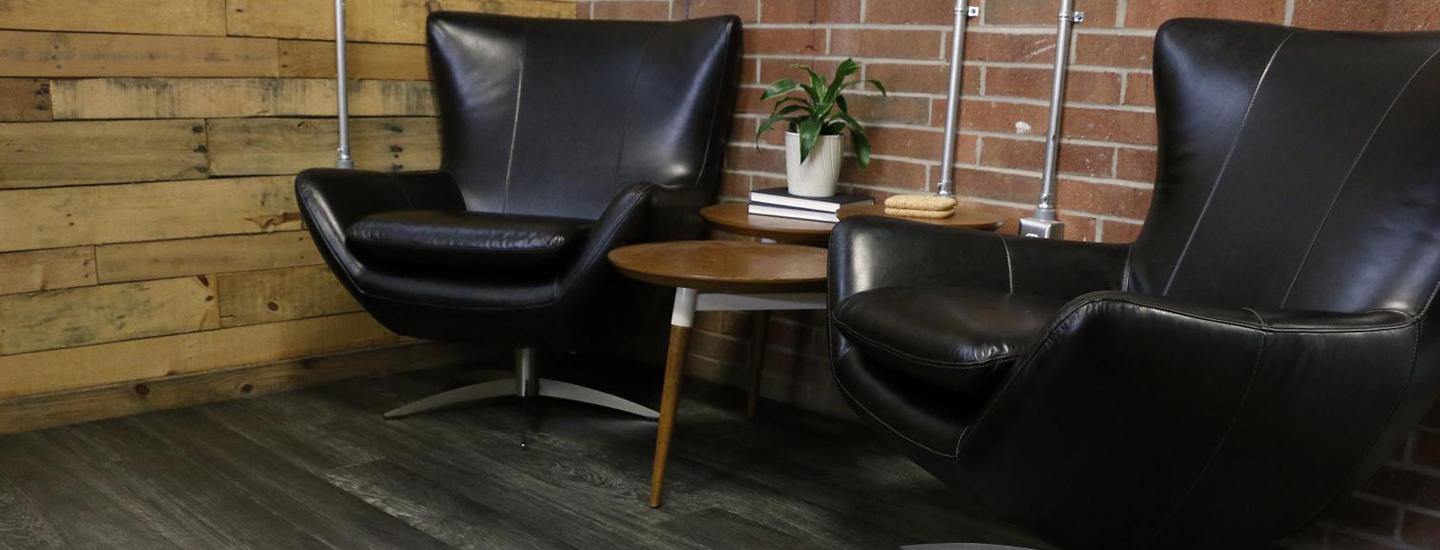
1107, 163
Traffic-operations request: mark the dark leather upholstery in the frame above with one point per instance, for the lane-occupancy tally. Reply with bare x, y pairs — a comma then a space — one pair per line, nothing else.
1258, 351
457, 239
561, 140
952, 338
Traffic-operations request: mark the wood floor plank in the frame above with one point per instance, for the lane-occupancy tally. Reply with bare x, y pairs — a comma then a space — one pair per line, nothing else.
614, 472
503, 477
320, 468
21, 523
192, 501
75, 497
439, 511
332, 515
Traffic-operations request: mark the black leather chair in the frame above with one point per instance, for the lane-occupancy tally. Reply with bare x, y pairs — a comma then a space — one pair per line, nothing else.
561, 140
1258, 351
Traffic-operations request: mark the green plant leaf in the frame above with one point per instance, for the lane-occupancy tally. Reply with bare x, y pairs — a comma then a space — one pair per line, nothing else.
809, 135
842, 71
862, 147
779, 114
842, 104
812, 93
834, 128
876, 83
878, 86
779, 88
862, 141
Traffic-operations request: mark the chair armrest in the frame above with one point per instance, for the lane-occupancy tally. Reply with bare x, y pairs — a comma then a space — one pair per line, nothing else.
332, 199
641, 212
875, 252
1131, 408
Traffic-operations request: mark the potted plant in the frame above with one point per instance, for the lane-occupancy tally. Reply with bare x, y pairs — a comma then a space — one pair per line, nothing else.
815, 121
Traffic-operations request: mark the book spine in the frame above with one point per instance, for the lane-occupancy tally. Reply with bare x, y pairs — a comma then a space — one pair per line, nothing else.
790, 202
761, 210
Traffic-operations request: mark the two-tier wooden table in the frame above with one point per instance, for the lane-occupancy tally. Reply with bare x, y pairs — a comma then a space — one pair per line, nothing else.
717, 276
740, 276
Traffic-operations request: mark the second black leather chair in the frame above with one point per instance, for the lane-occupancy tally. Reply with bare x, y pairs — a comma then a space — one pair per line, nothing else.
561, 140
1254, 355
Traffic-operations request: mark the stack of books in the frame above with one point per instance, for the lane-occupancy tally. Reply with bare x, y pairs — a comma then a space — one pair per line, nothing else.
781, 204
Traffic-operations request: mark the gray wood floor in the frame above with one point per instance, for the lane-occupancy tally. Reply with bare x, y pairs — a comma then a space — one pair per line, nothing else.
320, 469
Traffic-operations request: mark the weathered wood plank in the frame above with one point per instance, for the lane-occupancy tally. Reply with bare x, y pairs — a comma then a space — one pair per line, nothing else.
24, 99
329, 513
68, 490
74, 55
391, 21
254, 297
22, 524
71, 216
44, 154
113, 98
196, 17
116, 362
254, 146
440, 511
125, 398
47, 269
163, 259
162, 480
98, 314
315, 59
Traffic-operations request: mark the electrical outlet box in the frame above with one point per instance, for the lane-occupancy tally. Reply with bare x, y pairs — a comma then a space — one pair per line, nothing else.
1044, 229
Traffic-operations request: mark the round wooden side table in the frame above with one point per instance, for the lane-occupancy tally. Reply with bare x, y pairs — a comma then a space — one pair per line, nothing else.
963, 218
735, 217
719, 276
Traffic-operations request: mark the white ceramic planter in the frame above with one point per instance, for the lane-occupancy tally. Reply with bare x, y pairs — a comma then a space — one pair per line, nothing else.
820, 172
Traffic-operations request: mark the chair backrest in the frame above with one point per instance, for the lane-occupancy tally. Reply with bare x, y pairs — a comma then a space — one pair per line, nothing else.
552, 117
1297, 169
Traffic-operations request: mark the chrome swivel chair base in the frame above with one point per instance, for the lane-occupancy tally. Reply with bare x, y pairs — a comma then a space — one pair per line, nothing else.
526, 384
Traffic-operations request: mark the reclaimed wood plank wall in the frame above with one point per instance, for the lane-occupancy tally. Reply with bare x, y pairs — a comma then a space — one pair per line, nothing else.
148, 227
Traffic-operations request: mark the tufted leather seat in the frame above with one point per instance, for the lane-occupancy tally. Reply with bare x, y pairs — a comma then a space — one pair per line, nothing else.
453, 239
1258, 351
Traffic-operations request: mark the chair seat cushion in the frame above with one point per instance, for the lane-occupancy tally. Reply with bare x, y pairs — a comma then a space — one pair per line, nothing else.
958, 339
451, 239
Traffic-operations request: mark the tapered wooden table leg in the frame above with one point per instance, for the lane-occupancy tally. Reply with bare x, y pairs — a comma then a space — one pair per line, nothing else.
680, 322
757, 359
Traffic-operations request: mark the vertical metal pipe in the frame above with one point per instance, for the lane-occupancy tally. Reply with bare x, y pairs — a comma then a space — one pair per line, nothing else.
1046, 209
952, 104
342, 89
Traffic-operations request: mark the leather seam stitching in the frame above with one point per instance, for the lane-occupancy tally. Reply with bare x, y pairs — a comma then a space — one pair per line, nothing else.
1351, 173
630, 103
1009, 265
515, 122
882, 422
1125, 275
1020, 368
1262, 326
1220, 445
1410, 377
1225, 166
1033, 352
407, 246
950, 365
727, 72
